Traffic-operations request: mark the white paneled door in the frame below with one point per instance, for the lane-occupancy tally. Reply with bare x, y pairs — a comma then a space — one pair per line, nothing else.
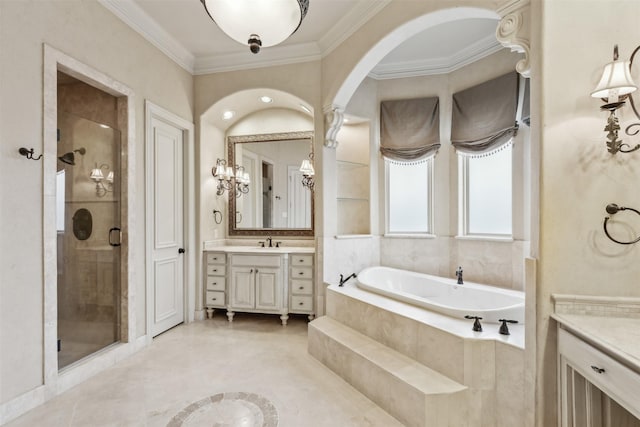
166, 197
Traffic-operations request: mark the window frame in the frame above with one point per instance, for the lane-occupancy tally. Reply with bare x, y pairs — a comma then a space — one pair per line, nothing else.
463, 200
429, 233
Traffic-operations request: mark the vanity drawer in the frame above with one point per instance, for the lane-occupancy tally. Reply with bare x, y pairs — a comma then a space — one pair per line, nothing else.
301, 260
299, 303
615, 379
301, 273
301, 287
215, 283
216, 270
215, 298
216, 258
255, 260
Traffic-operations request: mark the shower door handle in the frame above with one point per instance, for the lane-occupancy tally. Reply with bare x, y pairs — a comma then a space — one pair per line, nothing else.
119, 238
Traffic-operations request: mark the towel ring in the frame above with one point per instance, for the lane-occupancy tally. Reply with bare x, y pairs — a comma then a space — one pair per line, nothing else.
612, 209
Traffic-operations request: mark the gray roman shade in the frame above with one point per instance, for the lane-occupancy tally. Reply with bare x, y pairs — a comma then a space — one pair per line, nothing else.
484, 116
409, 129
526, 101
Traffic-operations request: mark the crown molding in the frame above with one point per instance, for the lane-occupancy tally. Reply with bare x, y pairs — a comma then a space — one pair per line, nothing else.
269, 57
136, 18
350, 23
443, 65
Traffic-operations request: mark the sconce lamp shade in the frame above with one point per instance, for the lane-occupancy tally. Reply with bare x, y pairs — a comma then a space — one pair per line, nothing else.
110, 177
271, 21
307, 168
616, 81
96, 174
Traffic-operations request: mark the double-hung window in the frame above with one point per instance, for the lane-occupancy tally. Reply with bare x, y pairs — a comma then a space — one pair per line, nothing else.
483, 128
409, 197
485, 190
409, 139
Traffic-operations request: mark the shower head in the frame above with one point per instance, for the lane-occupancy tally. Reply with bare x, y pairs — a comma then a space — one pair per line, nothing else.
70, 158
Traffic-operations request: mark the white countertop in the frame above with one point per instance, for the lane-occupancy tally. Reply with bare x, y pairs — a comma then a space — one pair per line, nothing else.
619, 337
260, 250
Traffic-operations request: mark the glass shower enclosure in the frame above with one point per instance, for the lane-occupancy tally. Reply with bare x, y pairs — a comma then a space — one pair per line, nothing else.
88, 203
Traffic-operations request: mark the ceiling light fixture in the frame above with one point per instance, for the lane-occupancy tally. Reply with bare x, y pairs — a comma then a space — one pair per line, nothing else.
228, 115
266, 99
257, 23
615, 86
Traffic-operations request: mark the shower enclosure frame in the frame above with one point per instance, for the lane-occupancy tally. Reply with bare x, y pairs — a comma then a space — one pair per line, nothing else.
56, 381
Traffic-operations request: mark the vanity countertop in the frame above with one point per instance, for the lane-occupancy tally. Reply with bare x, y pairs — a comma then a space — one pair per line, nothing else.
617, 336
260, 250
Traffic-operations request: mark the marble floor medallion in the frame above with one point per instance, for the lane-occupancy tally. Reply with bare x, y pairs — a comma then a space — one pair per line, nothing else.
237, 409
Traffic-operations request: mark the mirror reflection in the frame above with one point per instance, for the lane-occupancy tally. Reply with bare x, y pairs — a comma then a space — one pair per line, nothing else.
277, 201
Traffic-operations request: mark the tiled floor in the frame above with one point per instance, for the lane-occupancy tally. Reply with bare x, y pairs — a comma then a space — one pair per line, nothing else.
254, 360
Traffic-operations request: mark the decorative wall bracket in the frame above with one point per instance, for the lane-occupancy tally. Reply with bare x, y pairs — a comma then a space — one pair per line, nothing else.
612, 209
333, 119
514, 32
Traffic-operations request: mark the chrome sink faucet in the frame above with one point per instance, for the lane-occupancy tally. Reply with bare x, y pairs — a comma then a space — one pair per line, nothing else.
459, 275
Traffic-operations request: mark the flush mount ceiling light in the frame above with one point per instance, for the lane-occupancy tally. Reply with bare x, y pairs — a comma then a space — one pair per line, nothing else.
615, 87
257, 23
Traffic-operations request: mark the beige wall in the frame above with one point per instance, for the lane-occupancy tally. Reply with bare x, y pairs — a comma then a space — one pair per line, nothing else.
578, 176
94, 36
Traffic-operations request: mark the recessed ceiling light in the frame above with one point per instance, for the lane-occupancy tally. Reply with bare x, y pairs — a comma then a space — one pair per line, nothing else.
305, 108
266, 99
345, 120
228, 115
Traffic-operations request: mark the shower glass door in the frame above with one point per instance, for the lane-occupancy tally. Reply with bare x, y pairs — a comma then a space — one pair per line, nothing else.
88, 217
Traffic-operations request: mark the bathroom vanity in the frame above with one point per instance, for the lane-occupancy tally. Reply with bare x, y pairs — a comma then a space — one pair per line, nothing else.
598, 361
259, 280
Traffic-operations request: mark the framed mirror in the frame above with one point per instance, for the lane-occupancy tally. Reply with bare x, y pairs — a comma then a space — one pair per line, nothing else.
276, 203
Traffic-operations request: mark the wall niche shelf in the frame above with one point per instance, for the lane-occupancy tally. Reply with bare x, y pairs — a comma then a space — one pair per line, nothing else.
353, 175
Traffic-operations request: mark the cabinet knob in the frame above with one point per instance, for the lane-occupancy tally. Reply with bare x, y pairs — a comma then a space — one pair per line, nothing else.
215, 299
301, 303
301, 260
301, 287
301, 273
256, 270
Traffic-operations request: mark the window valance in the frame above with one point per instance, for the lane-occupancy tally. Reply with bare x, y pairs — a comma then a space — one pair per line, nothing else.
484, 116
409, 129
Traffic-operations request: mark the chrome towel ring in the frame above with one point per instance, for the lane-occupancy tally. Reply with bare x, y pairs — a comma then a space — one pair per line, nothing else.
612, 209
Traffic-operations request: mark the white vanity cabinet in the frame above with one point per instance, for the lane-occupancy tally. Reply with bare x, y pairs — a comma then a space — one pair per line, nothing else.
215, 279
596, 388
301, 284
257, 285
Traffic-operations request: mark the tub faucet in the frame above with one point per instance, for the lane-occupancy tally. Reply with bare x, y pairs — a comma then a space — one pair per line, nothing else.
459, 275
343, 280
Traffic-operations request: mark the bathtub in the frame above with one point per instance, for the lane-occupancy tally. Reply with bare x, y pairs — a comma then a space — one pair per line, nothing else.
443, 295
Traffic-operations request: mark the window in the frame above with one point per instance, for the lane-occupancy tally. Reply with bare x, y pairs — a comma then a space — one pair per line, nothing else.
486, 194
409, 189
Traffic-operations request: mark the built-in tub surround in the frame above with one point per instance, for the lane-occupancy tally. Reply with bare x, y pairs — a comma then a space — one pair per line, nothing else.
444, 295
489, 365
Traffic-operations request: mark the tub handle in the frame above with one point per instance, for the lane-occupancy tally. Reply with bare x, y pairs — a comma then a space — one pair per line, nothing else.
504, 328
477, 327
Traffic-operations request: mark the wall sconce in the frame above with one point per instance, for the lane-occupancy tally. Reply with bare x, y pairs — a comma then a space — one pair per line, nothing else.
242, 181
98, 177
225, 175
614, 88
308, 172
